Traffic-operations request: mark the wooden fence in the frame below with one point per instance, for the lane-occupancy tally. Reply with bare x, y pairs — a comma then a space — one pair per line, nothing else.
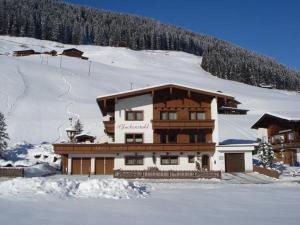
11, 172
169, 174
267, 172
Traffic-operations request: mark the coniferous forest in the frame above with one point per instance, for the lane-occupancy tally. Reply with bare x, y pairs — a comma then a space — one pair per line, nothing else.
73, 24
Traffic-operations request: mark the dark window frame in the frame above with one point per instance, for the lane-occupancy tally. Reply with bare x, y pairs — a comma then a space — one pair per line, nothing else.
134, 138
136, 160
191, 159
166, 136
196, 115
169, 158
135, 112
168, 115
197, 138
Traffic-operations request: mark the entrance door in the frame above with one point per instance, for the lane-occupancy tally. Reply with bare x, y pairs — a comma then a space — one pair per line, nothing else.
234, 162
205, 162
81, 166
104, 166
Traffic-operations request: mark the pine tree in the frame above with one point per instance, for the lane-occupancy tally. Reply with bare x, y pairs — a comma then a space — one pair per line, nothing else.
3, 135
78, 127
265, 154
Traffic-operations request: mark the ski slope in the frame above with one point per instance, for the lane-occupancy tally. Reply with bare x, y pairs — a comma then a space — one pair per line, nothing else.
39, 93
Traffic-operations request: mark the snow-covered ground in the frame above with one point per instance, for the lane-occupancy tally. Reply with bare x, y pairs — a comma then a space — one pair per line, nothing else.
37, 96
77, 200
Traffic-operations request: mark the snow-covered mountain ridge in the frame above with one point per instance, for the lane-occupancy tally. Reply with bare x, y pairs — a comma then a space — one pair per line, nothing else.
37, 96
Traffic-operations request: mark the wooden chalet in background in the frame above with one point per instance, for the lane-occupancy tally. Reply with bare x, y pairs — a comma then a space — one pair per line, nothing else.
73, 52
24, 52
283, 132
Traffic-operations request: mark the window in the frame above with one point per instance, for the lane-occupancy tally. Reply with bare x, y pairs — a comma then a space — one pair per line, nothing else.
134, 115
172, 138
163, 138
134, 138
191, 158
169, 160
197, 115
198, 138
134, 160
168, 138
168, 115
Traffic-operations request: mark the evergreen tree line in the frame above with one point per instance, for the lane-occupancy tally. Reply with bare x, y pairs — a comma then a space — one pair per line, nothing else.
73, 24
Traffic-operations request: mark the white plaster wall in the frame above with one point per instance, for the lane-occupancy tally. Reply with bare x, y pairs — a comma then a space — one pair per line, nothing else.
262, 133
144, 103
298, 154
214, 116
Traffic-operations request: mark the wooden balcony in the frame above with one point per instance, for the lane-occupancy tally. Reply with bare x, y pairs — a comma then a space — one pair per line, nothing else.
179, 124
109, 126
287, 145
116, 148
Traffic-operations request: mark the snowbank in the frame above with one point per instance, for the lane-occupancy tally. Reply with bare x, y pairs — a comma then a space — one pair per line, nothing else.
64, 187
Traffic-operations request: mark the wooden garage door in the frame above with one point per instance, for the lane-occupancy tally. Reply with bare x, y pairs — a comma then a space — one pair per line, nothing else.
104, 166
81, 166
234, 162
85, 165
76, 166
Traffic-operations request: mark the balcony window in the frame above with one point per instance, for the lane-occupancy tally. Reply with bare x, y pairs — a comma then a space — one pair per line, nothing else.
134, 115
197, 138
168, 115
134, 138
134, 160
170, 138
291, 136
169, 160
197, 116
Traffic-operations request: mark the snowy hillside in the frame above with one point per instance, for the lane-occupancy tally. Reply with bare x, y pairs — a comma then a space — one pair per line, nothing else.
37, 96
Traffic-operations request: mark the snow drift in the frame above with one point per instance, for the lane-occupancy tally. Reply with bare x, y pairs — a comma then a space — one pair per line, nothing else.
64, 187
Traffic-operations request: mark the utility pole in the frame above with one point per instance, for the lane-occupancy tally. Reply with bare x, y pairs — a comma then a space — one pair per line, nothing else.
90, 64
60, 61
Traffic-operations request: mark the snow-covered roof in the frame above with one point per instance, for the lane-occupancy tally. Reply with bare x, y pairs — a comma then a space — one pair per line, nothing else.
287, 116
148, 88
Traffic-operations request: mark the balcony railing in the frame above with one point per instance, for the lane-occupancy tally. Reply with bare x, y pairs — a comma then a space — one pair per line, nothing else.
189, 124
116, 148
109, 126
286, 145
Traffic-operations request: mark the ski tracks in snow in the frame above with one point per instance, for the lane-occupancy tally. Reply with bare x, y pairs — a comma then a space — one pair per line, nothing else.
24, 93
68, 106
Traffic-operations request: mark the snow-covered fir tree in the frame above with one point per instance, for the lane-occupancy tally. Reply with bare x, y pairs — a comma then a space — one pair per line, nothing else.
265, 154
3, 135
78, 126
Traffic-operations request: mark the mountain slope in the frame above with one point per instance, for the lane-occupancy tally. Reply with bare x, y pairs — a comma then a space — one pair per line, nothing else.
73, 24
37, 96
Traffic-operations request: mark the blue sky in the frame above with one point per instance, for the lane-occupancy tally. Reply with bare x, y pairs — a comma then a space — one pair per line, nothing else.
269, 27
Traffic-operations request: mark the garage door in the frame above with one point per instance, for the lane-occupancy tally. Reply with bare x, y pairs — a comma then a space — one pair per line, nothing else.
104, 166
234, 162
81, 166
